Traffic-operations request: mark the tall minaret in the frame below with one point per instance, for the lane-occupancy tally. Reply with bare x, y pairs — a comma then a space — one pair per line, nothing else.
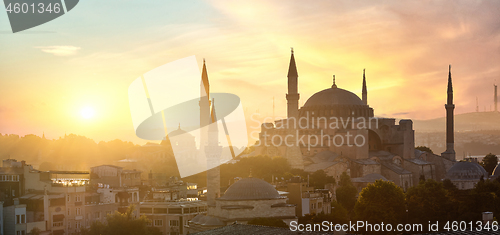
449, 106
213, 152
204, 107
365, 93
293, 95
496, 99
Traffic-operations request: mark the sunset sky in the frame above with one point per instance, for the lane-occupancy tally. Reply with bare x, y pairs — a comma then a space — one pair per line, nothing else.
71, 75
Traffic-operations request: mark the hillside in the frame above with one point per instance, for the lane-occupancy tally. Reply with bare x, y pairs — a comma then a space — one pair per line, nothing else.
463, 122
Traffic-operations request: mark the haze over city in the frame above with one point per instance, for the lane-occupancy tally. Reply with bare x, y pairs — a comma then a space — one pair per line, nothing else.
71, 75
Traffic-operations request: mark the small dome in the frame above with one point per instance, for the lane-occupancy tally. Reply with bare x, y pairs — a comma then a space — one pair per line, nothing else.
333, 96
466, 171
250, 189
179, 131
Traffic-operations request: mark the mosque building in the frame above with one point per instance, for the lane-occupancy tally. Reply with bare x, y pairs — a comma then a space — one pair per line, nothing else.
337, 132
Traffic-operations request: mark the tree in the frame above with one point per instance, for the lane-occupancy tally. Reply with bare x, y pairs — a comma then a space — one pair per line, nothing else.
346, 192
379, 202
424, 149
449, 186
339, 214
489, 162
272, 222
421, 178
428, 201
319, 179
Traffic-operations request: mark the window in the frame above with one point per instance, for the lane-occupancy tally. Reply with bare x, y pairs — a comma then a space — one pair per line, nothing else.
78, 211
69, 199
158, 222
23, 218
69, 211
174, 223
77, 225
57, 224
18, 233
97, 215
69, 225
23, 232
78, 198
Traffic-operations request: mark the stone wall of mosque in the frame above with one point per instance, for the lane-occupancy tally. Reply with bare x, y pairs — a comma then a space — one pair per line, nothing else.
442, 165
360, 170
428, 171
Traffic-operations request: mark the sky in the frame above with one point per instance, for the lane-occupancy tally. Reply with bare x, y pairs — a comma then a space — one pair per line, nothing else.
71, 75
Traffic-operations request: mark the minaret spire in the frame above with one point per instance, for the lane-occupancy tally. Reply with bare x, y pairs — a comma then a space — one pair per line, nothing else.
293, 95
334, 85
205, 85
365, 92
213, 153
449, 106
204, 107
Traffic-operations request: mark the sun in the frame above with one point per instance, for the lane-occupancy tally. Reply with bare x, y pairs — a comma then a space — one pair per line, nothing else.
87, 112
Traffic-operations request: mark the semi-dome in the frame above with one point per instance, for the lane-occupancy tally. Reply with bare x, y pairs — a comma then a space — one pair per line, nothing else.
333, 96
466, 171
250, 189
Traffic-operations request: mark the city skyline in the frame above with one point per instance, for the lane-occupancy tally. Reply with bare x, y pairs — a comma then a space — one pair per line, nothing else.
75, 80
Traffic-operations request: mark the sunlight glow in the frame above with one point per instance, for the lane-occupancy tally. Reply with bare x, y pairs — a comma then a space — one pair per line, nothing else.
87, 112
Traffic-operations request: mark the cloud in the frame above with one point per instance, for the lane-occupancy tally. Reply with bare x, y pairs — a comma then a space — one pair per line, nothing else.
60, 50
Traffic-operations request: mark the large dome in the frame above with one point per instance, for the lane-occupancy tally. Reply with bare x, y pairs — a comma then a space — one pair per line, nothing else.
466, 171
333, 96
335, 102
250, 189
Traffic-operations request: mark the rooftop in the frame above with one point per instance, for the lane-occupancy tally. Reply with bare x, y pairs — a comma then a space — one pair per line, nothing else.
250, 189
244, 229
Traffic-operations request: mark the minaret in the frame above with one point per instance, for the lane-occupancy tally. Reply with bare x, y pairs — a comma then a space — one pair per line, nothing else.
477, 105
213, 152
449, 106
204, 107
292, 152
293, 95
496, 99
365, 93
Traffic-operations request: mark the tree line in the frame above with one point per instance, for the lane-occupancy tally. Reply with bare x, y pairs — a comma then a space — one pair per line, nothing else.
429, 200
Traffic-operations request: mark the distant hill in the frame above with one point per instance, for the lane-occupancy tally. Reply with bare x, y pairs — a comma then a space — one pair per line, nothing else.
463, 122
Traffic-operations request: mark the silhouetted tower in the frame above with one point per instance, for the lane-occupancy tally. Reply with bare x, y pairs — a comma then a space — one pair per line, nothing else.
213, 152
293, 95
477, 105
449, 106
365, 92
496, 99
204, 107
